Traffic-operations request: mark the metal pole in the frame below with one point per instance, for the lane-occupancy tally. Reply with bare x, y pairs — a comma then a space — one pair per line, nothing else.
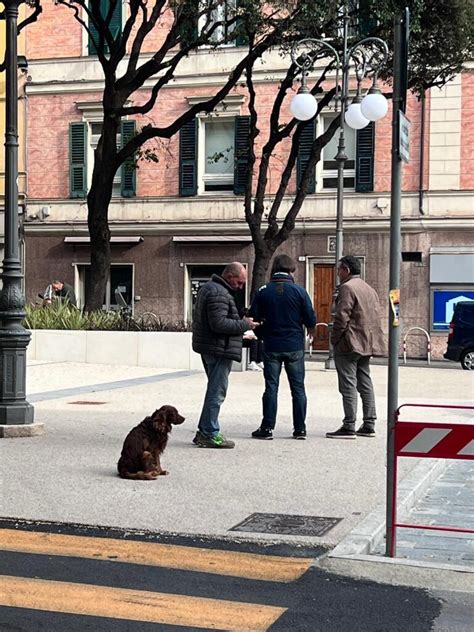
340, 158
14, 339
399, 83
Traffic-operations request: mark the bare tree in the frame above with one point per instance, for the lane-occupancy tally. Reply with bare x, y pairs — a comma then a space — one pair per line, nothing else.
442, 39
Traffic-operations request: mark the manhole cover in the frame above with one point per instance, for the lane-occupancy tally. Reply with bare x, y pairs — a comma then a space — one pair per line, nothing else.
286, 524
86, 403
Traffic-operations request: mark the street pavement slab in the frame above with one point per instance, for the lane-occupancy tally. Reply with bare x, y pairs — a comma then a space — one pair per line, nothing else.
69, 474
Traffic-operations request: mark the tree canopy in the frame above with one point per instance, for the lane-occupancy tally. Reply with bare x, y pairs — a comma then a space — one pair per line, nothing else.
442, 35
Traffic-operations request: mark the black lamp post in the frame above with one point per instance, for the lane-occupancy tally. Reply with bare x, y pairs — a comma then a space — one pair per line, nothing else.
15, 411
364, 59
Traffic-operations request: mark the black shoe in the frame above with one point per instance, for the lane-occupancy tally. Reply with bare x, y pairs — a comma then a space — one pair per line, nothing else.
342, 433
263, 433
196, 437
299, 434
365, 431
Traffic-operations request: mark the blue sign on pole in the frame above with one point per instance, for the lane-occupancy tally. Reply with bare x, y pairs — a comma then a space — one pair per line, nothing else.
443, 306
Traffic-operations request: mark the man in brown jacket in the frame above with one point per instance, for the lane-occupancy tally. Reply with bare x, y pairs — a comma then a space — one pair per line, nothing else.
356, 335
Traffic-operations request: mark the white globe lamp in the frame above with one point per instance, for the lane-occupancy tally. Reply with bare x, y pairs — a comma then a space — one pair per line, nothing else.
374, 105
304, 105
354, 117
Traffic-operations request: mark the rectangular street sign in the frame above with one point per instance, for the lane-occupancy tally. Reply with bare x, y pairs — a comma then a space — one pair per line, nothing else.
404, 137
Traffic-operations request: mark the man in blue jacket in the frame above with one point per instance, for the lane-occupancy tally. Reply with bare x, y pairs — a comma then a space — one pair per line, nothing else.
284, 309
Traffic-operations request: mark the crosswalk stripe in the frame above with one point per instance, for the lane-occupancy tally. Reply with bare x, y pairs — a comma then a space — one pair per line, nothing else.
136, 605
245, 565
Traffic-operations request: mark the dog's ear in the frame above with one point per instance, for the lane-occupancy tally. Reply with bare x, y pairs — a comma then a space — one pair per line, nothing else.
161, 423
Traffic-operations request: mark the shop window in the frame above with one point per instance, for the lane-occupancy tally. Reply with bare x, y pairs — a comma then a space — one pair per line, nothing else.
120, 278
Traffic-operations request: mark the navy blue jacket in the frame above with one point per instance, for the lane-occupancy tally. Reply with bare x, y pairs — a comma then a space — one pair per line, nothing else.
283, 307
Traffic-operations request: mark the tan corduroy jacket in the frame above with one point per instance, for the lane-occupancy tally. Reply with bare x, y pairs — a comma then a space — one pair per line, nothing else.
357, 319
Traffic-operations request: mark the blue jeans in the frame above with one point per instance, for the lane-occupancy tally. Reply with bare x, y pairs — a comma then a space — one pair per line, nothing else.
293, 361
217, 371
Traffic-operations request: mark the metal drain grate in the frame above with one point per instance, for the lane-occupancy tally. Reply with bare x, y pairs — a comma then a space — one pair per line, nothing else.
286, 524
87, 403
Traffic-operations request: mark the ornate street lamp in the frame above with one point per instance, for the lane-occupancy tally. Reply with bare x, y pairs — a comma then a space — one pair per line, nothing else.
364, 59
16, 414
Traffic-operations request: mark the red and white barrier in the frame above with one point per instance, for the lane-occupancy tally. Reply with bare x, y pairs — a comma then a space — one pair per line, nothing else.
432, 441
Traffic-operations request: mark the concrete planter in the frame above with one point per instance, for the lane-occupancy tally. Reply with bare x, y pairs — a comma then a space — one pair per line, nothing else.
162, 350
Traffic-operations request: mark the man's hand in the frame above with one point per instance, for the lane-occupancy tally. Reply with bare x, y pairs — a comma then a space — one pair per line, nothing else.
251, 323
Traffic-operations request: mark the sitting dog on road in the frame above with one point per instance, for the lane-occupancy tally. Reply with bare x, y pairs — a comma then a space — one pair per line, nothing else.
140, 458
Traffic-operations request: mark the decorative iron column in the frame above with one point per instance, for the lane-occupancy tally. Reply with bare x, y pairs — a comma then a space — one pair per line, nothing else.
14, 338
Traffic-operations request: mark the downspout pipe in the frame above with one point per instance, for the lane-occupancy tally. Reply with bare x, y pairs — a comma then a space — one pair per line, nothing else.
421, 192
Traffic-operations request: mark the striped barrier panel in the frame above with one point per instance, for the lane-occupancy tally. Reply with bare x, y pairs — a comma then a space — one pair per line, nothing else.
432, 441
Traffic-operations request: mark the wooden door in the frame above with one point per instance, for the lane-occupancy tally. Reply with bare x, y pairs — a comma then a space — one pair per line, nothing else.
322, 300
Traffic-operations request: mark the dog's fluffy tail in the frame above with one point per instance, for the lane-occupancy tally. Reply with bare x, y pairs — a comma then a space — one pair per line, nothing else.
140, 476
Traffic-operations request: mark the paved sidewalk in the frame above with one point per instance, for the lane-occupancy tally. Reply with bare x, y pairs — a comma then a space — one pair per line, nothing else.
69, 474
449, 502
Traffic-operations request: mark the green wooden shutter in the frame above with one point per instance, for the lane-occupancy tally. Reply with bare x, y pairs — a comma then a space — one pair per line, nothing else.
304, 152
115, 26
365, 158
188, 158
367, 23
242, 38
78, 160
189, 30
129, 169
241, 154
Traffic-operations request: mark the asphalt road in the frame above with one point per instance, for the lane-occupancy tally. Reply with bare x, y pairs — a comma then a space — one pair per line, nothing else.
61, 578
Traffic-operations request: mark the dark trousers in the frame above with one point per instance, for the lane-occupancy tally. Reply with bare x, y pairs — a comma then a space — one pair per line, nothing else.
293, 361
353, 372
256, 351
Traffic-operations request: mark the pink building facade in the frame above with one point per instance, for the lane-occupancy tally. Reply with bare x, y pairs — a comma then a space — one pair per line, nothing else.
167, 238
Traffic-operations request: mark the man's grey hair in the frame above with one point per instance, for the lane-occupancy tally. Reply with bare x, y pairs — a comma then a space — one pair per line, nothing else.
233, 269
351, 263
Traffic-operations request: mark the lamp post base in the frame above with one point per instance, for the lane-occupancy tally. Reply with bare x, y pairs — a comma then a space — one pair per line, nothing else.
14, 409
19, 431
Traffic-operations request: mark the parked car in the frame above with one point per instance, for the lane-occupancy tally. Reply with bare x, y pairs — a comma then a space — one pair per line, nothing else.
461, 335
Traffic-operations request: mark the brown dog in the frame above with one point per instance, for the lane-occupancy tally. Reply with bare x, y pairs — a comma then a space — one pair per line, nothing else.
140, 458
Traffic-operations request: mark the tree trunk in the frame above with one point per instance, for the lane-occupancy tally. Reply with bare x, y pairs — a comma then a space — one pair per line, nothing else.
100, 248
260, 271
98, 200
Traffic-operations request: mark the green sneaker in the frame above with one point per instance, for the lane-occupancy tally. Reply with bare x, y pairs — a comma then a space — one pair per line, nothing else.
219, 441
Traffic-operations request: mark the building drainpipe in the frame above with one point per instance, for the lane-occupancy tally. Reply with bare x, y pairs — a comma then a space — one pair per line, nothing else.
421, 192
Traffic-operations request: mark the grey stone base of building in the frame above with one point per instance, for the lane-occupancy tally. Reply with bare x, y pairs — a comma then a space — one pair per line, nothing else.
15, 431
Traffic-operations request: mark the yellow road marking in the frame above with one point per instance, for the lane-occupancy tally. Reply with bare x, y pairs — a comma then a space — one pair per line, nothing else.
136, 605
246, 565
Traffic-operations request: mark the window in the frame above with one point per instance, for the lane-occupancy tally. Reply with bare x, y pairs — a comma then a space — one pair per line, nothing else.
218, 159
223, 12
361, 22
359, 166
115, 26
120, 278
83, 140
213, 155
451, 281
198, 275
329, 173
95, 130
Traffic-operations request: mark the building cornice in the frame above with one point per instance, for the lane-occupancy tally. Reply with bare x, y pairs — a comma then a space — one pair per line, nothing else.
311, 226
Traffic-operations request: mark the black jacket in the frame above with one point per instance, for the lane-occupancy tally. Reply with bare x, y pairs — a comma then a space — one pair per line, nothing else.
217, 328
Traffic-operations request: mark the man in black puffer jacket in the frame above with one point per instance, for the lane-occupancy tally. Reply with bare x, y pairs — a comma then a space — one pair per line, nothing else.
217, 336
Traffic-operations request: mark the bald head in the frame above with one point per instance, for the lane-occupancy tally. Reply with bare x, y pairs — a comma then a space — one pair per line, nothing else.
235, 274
